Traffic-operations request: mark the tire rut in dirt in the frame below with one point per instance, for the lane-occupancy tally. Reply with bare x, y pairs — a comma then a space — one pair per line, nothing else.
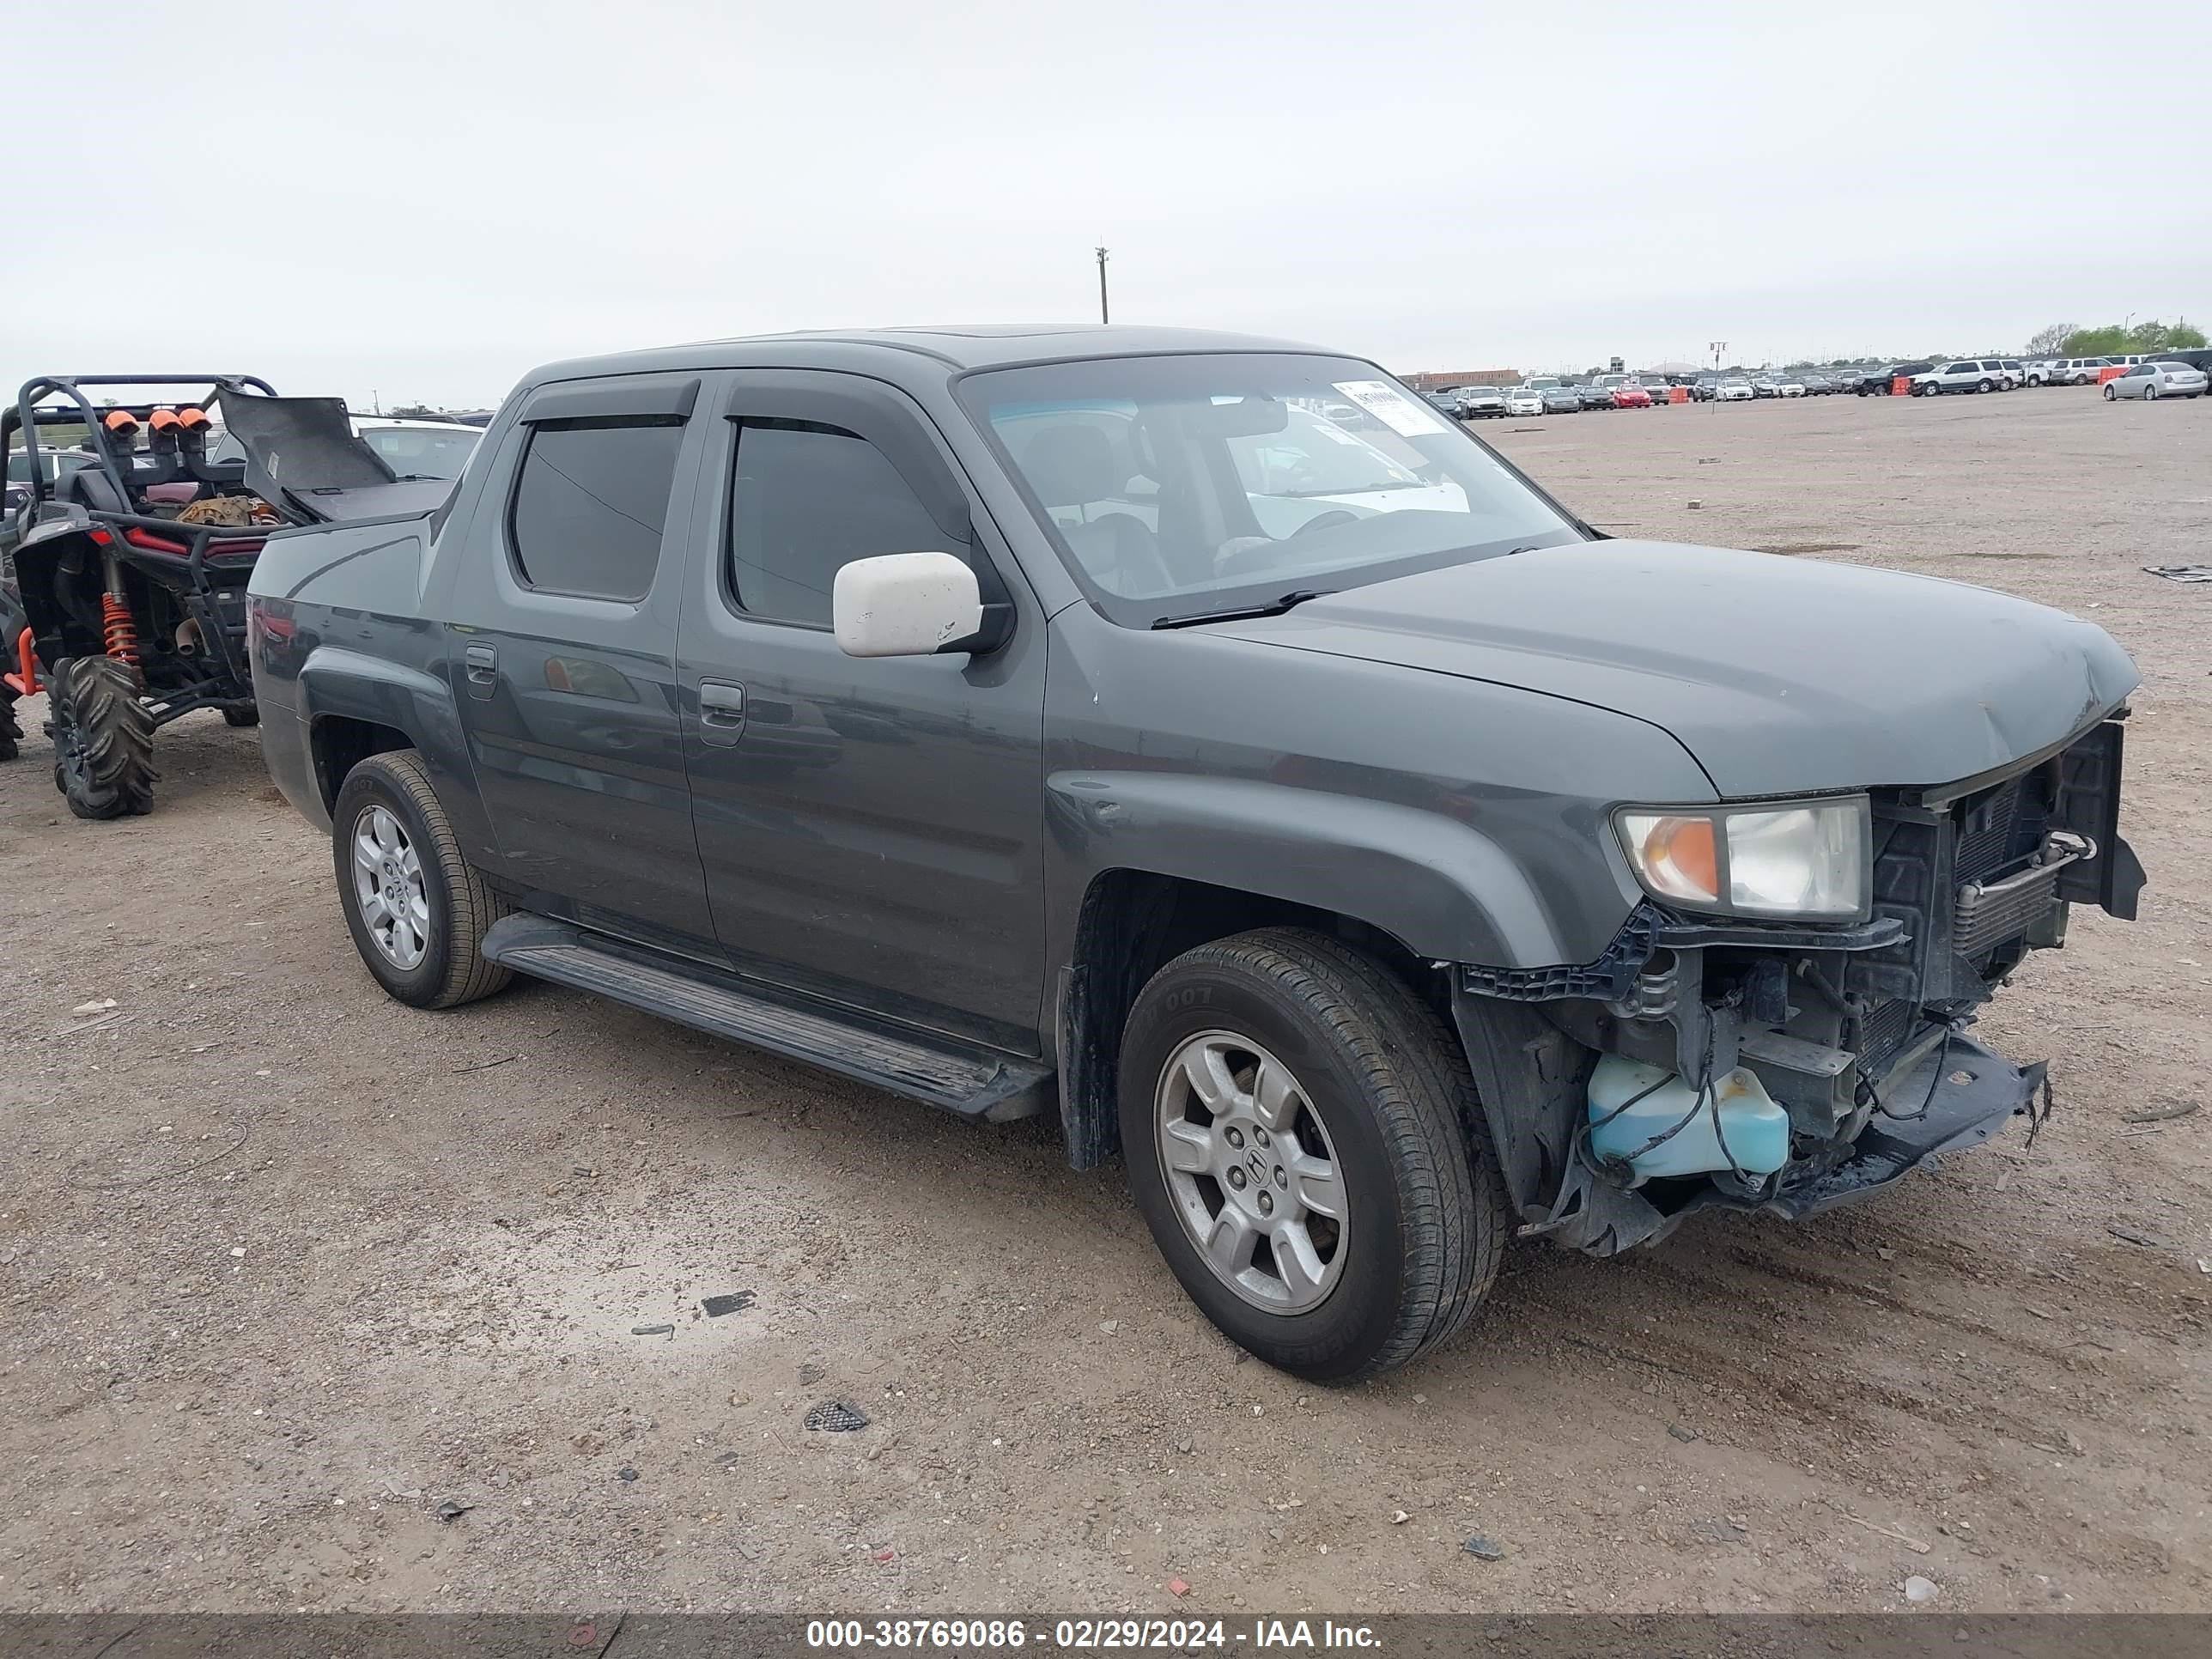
103, 739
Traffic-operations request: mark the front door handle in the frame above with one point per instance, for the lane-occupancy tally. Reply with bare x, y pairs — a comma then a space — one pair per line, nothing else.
721, 713
481, 662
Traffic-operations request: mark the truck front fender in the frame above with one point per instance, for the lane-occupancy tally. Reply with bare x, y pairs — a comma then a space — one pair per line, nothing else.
1437, 883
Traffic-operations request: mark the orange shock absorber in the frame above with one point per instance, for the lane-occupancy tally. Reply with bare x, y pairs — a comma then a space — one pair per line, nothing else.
117, 632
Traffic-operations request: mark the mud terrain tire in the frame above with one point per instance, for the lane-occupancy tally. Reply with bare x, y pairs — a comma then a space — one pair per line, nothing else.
103, 738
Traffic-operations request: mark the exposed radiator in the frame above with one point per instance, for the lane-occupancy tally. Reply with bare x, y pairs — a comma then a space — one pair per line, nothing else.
1989, 913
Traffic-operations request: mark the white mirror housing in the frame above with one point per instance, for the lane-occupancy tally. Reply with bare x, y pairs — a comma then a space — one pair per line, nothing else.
904, 604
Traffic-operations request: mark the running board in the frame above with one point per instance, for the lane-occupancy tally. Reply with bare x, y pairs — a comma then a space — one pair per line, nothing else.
974, 1082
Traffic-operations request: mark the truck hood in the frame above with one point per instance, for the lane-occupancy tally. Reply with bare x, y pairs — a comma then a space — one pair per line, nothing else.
1779, 675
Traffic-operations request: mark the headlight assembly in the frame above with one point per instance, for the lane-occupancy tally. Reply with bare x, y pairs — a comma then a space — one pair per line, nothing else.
1805, 859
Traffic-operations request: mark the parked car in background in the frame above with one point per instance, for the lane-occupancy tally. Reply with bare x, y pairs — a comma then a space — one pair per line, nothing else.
1524, 400
1561, 399
2078, 370
2039, 371
2194, 356
1880, 382
419, 449
1444, 403
1816, 385
1960, 374
966, 715
2150, 382
1703, 386
1595, 394
54, 465
1630, 396
1734, 389
1482, 403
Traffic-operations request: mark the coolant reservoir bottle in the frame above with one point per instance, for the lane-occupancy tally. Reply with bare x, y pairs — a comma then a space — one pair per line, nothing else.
1756, 1129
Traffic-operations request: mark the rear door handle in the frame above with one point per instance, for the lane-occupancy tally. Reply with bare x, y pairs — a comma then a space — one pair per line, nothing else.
482, 663
721, 713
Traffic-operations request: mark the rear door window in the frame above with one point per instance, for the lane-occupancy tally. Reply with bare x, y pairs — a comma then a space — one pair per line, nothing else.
589, 504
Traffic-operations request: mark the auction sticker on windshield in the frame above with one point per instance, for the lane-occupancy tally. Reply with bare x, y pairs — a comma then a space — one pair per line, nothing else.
1392, 407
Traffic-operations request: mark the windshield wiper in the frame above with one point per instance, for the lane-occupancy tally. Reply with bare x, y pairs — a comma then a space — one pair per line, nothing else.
1245, 612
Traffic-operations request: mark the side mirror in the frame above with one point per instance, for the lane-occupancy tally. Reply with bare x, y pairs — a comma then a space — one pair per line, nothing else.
912, 604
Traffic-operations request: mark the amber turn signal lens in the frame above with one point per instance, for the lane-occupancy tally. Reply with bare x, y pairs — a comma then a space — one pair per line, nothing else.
1678, 856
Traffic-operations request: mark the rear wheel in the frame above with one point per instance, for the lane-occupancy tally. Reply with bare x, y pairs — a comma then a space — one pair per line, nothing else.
11, 733
241, 717
416, 910
103, 738
2150, 392
1304, 1144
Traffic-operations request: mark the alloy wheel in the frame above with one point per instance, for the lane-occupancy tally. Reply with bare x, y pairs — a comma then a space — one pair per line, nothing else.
1251, 1172
387, 882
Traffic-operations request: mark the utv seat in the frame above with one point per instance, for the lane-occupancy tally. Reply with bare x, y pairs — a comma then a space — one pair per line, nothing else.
89, 487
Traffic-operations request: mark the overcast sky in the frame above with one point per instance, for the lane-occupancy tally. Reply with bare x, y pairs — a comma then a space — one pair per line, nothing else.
420, 201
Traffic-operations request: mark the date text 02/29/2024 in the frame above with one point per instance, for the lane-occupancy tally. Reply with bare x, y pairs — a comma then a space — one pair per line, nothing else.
1086, 1635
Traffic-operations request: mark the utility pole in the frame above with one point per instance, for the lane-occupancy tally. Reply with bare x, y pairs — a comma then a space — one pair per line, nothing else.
376, 400
1101, 285
1718, 347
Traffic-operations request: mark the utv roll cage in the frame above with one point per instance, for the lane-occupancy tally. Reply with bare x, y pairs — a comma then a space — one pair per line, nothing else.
105, 500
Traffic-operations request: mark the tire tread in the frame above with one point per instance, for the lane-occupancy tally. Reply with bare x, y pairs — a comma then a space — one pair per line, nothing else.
1418, 1084
113, 730
471, 905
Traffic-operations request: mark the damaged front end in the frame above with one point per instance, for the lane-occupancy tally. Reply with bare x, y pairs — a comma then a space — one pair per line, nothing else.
1856, 1029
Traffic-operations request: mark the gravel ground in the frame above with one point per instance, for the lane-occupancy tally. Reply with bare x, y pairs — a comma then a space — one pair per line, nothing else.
286, 1268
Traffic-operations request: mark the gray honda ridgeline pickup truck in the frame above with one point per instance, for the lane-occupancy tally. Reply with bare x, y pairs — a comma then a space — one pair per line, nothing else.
1203, 741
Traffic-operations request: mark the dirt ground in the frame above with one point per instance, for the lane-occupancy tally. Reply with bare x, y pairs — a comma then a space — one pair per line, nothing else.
286, 1267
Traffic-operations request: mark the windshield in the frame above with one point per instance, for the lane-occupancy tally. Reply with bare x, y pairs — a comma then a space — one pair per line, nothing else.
1175, 485
421, 451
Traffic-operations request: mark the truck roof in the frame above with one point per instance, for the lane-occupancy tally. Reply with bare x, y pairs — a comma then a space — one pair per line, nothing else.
898, 353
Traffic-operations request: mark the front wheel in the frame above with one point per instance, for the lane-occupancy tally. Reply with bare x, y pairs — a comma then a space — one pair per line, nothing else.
2110, 396
416, 910
241, 717
1303, 1142
103, 738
